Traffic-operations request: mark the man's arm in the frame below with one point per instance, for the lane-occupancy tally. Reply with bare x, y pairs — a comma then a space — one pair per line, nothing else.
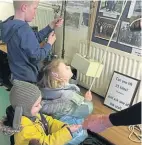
129, 116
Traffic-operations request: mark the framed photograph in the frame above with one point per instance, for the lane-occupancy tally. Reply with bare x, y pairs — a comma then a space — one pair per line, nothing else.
111, 8
73, 19
77, 14
129, 38
85, 20
78, 4
105, 27
121, 91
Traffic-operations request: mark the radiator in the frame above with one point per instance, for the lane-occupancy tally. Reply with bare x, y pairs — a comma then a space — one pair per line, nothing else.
44, 16
115, 60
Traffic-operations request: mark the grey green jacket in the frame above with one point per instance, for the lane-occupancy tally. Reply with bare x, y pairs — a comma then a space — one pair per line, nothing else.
61, 101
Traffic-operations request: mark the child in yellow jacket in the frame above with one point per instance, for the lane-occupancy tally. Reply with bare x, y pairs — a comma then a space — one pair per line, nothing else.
25, 99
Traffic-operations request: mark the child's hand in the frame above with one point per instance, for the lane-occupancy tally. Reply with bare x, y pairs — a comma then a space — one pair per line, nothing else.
56, 23
74, 128
51, 38
88, 96
59, 22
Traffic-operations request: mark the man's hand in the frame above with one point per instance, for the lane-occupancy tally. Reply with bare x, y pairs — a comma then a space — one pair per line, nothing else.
97, 123
56, 23
88, 96
51, 38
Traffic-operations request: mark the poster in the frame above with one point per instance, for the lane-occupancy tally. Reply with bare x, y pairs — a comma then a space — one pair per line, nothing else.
121, 91
128, 37
111, 8
72, 19
75, 11
105, 27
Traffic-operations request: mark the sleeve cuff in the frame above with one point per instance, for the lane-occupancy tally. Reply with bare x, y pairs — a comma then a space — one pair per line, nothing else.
48, 46
70, 131
49, 27
64, 125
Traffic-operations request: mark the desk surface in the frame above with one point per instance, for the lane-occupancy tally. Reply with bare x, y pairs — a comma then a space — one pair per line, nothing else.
3, 48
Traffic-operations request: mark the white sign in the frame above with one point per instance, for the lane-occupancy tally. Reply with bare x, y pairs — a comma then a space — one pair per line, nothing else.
121, 91
137, 51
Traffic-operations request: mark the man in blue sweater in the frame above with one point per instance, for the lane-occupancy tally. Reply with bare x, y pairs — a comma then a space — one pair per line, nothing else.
24, 51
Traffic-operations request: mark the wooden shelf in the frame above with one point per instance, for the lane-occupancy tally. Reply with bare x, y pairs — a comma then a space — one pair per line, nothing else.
3, 48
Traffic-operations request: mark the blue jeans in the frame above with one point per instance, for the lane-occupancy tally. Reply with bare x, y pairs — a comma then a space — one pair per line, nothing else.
80, 135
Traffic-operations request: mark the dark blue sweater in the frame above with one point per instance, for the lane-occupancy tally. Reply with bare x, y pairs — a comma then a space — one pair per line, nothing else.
24, 51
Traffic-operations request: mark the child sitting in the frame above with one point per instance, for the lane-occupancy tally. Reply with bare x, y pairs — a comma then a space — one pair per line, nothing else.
63, 100
59, 97
25, 99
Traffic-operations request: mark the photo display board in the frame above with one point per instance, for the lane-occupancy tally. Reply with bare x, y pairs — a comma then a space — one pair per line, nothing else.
124, 39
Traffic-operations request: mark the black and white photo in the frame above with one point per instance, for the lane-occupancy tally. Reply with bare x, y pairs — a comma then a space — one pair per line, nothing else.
111, 8
105, 27
128, 37
72, 19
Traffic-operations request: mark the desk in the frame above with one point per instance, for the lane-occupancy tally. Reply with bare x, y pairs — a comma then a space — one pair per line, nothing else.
3, 48
116, 135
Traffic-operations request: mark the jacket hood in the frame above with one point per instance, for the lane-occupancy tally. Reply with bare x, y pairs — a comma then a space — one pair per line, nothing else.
10, 26
51, 94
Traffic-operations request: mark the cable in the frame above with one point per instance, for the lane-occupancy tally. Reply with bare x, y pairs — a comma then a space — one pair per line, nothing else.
135, 130
108, 44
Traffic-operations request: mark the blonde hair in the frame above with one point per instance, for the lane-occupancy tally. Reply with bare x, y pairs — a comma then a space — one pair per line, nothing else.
18, 3
50, 75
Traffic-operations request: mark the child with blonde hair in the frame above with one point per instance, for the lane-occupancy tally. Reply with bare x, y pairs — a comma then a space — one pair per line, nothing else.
61, 99
23, 45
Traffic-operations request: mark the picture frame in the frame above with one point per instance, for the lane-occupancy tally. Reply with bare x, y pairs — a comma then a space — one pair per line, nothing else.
73, 19
128, 37
111, 8
105, 27
121, 91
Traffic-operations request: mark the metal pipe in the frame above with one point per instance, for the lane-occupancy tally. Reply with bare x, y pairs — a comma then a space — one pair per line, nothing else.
64, 10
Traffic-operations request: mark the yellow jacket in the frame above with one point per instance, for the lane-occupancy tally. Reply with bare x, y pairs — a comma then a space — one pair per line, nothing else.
58, 135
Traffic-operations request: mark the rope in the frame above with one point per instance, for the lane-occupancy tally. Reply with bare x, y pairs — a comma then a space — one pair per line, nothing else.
135, 130
108, 44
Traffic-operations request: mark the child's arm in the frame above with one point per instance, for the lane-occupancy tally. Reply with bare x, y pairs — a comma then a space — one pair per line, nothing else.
59, 132
60, 137
30, 46
88, 96
42, 34
55, 124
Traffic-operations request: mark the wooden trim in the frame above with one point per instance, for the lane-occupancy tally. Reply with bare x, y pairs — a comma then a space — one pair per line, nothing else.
91, 23
3, 48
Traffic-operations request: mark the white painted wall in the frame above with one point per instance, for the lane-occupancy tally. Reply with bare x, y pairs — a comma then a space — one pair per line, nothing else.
6, 10
72, 39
